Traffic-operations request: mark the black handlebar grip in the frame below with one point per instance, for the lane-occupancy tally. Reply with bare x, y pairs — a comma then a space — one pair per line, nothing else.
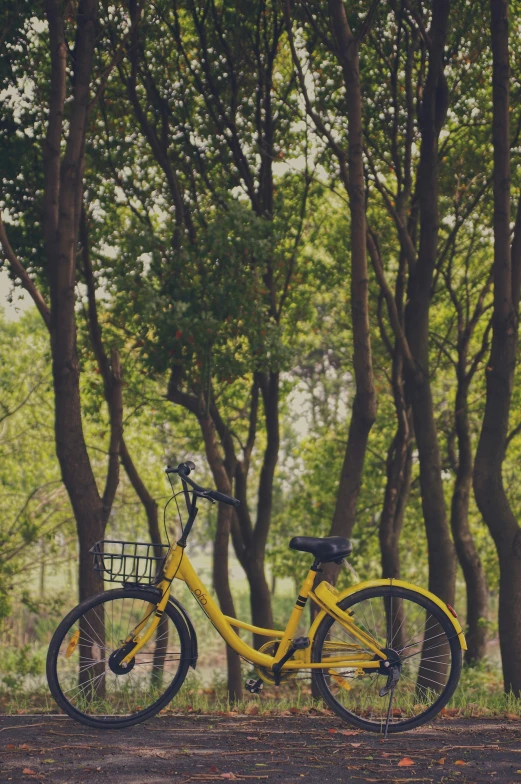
183, 468
224, 499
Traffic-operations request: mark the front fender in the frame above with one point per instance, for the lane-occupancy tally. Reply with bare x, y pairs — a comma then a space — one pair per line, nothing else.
400, 584
191, 630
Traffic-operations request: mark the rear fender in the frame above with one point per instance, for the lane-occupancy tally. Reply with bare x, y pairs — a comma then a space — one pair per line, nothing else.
377, 584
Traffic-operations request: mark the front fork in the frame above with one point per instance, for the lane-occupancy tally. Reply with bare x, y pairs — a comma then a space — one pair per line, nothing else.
143, 632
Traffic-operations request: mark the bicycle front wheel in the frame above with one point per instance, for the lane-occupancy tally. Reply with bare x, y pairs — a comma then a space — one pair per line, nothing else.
83, 662
423, 650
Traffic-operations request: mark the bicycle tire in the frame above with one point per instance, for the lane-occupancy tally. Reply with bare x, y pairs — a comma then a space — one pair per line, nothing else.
73, 617
323, 681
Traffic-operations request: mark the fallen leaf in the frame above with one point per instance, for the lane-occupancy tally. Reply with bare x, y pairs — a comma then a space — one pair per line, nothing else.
460, 762
252, 710
48, 761
512, 716
405, 762
230, 776
29, 772
348, 732
441, 761
332, 729
355, 745
294, 711
11, 746
23, 746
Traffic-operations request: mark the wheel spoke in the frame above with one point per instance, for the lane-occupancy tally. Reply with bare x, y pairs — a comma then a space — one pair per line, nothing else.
425, 682
86, 685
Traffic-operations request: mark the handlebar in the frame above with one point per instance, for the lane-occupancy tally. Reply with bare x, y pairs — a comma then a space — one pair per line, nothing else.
183, 469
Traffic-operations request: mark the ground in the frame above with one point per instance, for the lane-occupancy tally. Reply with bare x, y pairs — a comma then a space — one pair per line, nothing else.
285, 749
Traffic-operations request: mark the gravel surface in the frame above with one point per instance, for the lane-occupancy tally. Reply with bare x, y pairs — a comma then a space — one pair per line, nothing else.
253, 748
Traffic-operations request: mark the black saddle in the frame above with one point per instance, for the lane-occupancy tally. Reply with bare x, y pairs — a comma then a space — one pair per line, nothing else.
330, 548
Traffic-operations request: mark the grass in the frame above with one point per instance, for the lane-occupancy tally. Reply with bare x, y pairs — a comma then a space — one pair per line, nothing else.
479, 695
23, 688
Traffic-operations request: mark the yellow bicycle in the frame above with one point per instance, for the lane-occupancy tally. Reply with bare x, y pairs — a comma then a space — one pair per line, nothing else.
384, 654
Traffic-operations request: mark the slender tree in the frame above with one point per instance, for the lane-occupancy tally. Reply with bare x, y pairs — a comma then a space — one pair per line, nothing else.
489, 487
404, 48
63, 168
235, 98
351, 167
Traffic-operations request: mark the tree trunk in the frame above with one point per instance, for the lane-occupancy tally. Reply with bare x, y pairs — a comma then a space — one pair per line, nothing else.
63, 192
431, 116
442, 565
489, 489
150, 507
254, 555
249, 540
222, 472
63, 199
221, 584
399, 469
260, 597
432, 113
63, 195
221, 577
365, 403
468, 556
149, 503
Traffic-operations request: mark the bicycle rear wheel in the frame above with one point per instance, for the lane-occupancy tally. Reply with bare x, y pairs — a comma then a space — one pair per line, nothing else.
421, 644
83, 669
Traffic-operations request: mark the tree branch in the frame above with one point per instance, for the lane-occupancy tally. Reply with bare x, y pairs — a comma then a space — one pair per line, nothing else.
21, 273
376, 260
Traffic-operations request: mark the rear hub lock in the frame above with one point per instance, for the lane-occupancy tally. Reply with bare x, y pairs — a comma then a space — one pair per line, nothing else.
391, 667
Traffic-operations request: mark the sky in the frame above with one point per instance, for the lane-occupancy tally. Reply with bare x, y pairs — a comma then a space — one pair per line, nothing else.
21, 302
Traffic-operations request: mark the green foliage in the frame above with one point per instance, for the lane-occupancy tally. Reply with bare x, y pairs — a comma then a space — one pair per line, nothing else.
249, 273
20, 664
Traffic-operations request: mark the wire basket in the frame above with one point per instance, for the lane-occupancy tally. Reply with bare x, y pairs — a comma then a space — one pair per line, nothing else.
131, 563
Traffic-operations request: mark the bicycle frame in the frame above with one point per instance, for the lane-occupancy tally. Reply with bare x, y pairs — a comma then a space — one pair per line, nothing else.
178, 566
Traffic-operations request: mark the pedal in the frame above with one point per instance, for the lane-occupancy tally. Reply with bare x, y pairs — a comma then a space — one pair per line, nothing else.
300, 643
254, 686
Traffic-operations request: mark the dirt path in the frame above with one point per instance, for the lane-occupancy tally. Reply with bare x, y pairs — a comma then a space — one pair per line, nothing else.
289, 749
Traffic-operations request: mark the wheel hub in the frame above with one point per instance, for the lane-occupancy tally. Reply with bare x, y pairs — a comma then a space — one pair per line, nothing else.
393, 660
116, 657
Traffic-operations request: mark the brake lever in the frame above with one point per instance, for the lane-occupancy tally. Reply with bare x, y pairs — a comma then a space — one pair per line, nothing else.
206, 497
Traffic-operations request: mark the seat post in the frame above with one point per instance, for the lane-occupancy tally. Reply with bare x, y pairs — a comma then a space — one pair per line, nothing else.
315, 566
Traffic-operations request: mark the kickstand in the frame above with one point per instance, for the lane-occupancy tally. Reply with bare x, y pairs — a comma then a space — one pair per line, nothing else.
389, 713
